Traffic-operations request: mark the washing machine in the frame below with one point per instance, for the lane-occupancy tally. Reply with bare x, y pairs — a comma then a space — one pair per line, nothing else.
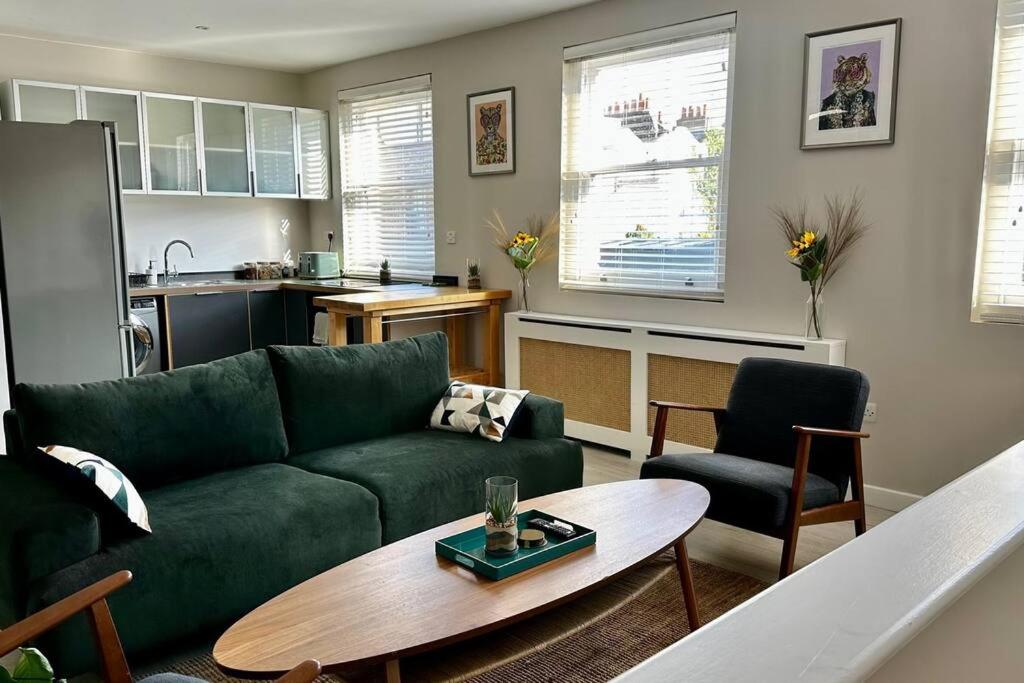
145, 320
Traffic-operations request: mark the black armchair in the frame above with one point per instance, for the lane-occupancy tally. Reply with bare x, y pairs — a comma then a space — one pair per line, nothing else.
788, 447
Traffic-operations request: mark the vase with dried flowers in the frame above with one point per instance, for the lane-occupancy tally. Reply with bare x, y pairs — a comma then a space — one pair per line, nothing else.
384, 277
820, 249
526, 247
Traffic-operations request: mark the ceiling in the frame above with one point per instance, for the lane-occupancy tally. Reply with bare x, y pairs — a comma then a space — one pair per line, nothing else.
288, 35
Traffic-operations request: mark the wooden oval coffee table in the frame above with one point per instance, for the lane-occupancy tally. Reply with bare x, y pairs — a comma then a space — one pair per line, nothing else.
403, 599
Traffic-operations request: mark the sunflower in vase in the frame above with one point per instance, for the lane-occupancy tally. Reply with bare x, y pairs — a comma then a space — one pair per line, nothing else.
526, 247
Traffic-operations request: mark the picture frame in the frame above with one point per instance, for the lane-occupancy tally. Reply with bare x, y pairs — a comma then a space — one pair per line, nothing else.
851, 77
491, 127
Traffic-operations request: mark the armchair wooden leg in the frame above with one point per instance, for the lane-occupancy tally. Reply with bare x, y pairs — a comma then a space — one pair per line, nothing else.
796, 504
789, 549
860, 524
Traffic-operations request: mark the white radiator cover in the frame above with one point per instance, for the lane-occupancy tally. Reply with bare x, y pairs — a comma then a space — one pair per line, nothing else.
643, 339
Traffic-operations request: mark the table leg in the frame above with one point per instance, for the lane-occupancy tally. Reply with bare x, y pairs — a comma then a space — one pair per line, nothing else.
492, 353
394, 674
373, 330
337, 331
686, 578
455, 329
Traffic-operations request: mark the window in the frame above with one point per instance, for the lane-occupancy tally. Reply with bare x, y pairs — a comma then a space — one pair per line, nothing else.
645, 140
999, 272
387, 178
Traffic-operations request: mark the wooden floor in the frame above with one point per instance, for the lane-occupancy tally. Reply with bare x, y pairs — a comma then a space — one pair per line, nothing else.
725, 546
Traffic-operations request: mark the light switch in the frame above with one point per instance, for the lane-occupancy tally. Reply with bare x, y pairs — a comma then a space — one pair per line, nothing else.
449, 237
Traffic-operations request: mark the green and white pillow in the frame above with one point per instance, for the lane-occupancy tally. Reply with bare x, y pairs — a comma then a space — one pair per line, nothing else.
476, 409
107, 480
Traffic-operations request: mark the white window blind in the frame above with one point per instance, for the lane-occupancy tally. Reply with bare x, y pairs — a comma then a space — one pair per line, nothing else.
999, 273
645, 143
387, 178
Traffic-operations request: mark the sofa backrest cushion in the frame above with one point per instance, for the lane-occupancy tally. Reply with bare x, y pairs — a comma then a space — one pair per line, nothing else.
342, 394
166, 427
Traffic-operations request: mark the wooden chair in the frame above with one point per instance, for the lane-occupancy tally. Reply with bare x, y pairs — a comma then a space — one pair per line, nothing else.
93, 600
789, 445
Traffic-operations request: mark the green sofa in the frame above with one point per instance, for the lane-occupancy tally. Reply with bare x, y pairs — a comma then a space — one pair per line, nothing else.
259, 471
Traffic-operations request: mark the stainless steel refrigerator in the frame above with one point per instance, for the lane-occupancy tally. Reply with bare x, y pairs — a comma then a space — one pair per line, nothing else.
62, 256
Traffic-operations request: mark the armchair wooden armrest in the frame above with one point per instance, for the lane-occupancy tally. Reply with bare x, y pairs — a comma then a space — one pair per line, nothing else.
661, 421
94, 599
818, 431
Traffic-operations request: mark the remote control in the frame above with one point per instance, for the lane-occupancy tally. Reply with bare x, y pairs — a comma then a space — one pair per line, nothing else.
560, 529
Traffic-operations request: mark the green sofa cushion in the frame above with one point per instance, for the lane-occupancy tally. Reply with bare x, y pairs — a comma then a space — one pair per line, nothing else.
158, 429
429, 477
221, 546
342, 394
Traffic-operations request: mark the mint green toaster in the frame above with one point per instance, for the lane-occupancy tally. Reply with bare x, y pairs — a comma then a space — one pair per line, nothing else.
317, 265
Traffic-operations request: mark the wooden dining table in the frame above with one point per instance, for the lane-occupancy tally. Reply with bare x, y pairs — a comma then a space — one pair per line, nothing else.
453, 305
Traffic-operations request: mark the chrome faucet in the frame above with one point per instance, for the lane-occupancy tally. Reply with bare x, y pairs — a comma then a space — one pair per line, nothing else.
167, 271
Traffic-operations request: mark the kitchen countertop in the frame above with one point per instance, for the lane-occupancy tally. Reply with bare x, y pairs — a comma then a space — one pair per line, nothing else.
327, 286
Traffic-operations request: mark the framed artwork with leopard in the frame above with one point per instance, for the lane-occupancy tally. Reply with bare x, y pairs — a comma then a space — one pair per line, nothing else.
492, 131
850, 82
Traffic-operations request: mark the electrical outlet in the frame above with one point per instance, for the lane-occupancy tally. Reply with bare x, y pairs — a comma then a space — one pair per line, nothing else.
871, 412
449, 237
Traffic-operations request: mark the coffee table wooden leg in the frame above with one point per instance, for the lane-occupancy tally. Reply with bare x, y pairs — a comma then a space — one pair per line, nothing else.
686, 578
394, 674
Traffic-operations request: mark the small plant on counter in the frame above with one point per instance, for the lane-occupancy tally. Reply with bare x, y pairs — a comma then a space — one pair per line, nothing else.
385, 271
472, 274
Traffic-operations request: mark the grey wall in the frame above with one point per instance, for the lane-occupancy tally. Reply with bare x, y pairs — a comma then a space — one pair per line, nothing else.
949, 392
224, 231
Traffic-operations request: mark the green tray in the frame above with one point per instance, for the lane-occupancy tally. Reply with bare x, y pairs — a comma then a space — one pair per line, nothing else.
467, 548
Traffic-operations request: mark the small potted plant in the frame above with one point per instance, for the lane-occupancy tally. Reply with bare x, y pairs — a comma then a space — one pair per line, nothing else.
385, 271
31, 666
501, 506
472, 274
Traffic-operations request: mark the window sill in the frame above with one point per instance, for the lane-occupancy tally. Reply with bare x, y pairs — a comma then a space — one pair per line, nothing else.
717, 297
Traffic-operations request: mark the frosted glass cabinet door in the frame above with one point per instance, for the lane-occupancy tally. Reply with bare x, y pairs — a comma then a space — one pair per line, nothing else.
273, 150
225, 135
170, 124
314, 154
45, 102
123, 107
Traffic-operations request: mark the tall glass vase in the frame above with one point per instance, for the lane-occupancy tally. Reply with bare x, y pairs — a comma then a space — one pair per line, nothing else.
524, 285
814, 316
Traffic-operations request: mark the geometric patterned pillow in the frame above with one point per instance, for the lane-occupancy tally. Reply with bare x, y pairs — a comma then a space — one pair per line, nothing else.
107, 480
476, 409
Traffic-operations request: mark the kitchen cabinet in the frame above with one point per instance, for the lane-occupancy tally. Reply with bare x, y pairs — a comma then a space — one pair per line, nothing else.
314, 153
274, 150
41, 102
267, 318
179, 144
124, 107
170, 122
224, 132
206, 326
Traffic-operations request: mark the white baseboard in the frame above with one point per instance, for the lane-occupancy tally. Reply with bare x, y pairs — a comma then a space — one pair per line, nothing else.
888, 499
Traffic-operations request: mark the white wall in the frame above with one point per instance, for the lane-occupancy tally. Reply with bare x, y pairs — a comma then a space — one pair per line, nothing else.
948, 390
224, 231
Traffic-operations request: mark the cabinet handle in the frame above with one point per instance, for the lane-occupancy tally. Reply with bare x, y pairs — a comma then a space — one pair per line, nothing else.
298, 184
207, 293
252, 183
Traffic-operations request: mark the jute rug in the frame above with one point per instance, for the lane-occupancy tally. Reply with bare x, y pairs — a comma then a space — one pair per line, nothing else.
594, 638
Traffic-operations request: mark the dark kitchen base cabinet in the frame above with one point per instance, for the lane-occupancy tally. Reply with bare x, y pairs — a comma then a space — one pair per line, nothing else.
206, 326
267, 319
